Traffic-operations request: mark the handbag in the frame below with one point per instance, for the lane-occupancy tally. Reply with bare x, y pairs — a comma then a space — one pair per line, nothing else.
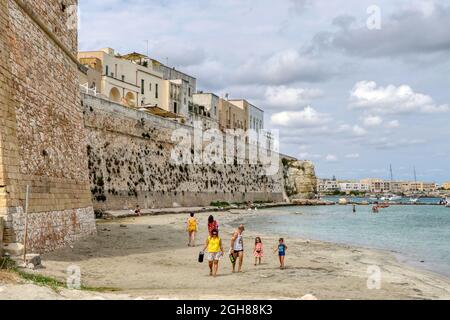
201, 257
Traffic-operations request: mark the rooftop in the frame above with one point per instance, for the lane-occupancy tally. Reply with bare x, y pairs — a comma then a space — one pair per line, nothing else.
244, 100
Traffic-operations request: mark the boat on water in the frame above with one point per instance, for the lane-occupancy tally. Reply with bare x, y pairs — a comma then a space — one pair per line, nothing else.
414, 200
448, 202
391, 198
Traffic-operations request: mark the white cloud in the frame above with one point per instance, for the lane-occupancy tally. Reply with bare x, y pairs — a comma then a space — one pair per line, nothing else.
331, 158
372, 121
411, 30
282, 68
304, 147
309, 156
392, 143
366, 95
353, 156
290, 97
308, 117
393, 124
358, 131
352, 130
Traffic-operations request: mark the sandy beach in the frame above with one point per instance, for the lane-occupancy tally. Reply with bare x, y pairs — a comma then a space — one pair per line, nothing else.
148, 257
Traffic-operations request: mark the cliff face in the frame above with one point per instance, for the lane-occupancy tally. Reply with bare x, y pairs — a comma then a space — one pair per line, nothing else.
300, 179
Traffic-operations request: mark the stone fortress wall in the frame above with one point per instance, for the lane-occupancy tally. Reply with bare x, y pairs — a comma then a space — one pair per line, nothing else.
42, 136
130, 164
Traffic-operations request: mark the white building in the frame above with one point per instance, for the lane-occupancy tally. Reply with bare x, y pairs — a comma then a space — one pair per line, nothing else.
186, 83
354, 186
254, 124
326, 185
254, 117
210, 102
130, 79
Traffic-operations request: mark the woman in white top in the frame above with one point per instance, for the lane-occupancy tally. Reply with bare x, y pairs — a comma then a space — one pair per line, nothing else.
237, 247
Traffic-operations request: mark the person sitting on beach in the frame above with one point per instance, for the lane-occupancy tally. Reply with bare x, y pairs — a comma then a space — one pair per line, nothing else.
258, 251
212, 225
192, 228
282, 248
138, 211
215, 252
237, 247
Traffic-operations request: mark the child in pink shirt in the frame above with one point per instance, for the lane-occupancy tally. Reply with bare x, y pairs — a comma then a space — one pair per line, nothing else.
258, 251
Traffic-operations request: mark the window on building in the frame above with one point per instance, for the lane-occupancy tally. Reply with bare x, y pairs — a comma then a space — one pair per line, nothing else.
175, 108
107, 70
189, 90
156, 91
123, 78
142, 86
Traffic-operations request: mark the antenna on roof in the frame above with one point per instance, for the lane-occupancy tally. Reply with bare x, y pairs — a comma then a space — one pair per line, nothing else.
147, 47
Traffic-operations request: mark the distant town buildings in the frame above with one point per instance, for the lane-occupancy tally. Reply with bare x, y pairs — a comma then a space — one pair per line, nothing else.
446, 186
376, 186
354, 186
327, 185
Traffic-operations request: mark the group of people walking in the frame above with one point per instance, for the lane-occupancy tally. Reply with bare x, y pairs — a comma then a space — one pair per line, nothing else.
214, 249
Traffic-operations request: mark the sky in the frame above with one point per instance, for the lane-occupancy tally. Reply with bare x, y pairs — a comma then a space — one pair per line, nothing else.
354, 86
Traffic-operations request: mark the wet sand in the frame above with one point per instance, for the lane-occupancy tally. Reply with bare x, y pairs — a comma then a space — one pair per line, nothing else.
148, 257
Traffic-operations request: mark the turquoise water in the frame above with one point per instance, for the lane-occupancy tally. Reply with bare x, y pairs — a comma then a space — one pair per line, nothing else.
420, 235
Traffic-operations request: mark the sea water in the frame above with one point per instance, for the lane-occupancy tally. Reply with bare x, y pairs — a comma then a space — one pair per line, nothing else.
420, 235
